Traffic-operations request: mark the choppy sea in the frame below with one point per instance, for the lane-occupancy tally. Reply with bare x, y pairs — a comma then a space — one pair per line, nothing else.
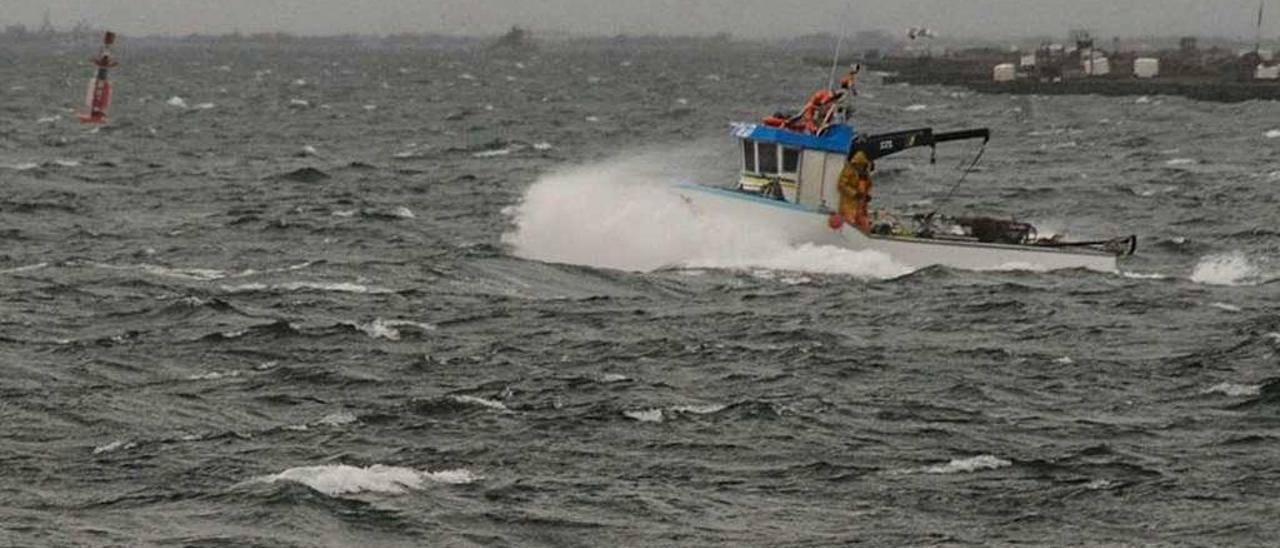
376, 297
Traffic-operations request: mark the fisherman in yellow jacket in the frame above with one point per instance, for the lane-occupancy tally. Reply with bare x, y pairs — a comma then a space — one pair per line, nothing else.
855, 191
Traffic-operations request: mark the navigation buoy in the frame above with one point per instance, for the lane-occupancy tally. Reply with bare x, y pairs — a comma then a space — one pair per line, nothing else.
98, 99
835, 222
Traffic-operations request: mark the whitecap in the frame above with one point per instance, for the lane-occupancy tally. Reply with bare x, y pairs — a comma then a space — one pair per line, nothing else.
1181, 161
213, 375
1143, 275
378, 329
66, 163
176, 101
593, 119
613, 377
48, 119
492, 153
542, 146
1273, 134
21, 269
402, 212
338, 287
370, 107
915, 108
342, 479
1224, 269
299, 103
644, 415
705, 409
1234, 389
972, 464
338, 419
1226, 307
203, 106
113, 446
472, 400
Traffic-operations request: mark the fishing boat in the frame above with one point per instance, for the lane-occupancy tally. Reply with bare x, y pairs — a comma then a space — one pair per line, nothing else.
807, 177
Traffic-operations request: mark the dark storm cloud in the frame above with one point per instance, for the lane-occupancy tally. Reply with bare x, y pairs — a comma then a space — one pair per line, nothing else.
744, 18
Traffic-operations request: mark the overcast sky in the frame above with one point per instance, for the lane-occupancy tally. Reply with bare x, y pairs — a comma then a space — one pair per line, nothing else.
742, 18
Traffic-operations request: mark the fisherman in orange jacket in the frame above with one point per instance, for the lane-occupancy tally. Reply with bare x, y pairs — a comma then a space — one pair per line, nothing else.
855, 191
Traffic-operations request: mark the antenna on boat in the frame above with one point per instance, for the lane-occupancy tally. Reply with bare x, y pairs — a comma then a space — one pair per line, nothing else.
835, 59
1257, 43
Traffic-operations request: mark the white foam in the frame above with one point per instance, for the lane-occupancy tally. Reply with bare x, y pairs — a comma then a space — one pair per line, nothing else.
492, 153
613, 377
338, 419
1234, 389
592, 119
213, 375
1181, 161
623, 214
66, 163
176, 101
543, 145
706, 409
1273, 134
204, 106
338, 287
378, 329
1143, 275
972, 464
48, 119
21, 269
113, 446
299, 103
1227, 307
915, 108
1224, 269
472, 400
342, 479
644, 415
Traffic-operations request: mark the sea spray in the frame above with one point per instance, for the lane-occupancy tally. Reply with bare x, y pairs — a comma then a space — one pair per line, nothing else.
627, 214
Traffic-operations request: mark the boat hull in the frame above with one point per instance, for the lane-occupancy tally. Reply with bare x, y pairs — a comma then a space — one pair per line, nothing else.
800, 224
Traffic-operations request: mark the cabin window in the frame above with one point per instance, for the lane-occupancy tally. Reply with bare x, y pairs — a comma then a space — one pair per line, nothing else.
790, 160
768, 155
748, 155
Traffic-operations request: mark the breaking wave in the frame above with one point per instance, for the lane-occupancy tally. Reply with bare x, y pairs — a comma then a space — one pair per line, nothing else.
1225, 269
341, 479
623, 214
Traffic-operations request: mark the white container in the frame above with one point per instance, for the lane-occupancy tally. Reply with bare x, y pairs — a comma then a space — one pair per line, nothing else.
1099, 66
1267, 72
1146, 67
1004, 72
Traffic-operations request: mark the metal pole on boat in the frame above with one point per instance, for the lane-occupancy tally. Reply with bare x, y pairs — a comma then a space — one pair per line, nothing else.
835, 59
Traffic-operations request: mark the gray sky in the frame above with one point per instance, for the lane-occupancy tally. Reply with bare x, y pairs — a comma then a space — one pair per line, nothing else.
743, 18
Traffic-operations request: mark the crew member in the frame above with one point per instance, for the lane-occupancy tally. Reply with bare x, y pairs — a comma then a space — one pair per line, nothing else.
855, 190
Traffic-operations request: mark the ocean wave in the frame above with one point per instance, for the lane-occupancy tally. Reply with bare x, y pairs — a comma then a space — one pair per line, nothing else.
1232, 268
341, 479
649, 226
968, 465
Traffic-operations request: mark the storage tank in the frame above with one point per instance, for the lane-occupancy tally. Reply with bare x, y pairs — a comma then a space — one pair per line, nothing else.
1146, 67
1004, 72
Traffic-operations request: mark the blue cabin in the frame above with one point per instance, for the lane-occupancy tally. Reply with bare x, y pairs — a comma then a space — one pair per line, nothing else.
805, 167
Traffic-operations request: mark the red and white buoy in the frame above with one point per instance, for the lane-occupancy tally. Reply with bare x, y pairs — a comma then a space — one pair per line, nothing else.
99, 97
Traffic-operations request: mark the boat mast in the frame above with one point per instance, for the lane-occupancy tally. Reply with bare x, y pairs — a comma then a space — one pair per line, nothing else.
1257, 43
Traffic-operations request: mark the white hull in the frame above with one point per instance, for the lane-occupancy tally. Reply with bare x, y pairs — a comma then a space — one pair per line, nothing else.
801, 224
